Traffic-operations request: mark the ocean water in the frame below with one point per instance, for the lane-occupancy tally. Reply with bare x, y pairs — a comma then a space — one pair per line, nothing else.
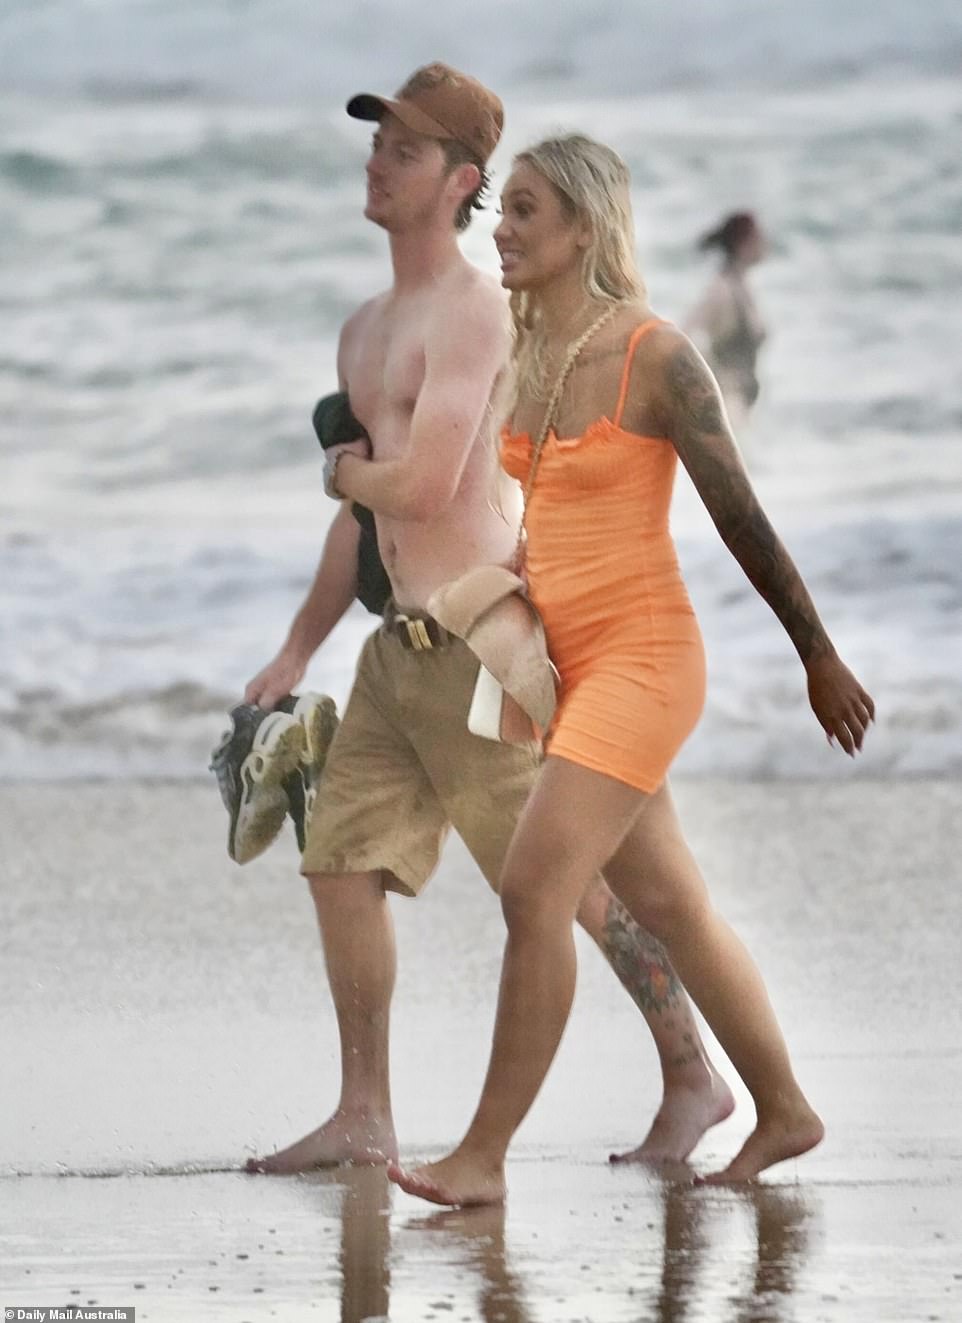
181, 194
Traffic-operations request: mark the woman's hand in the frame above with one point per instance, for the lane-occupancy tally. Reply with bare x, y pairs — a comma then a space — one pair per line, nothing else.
843, 708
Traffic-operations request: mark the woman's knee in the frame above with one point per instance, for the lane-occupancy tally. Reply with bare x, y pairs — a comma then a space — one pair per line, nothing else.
520, 898
534, 902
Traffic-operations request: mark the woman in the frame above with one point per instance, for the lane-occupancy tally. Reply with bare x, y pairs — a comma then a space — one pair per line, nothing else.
726, 324
602, 570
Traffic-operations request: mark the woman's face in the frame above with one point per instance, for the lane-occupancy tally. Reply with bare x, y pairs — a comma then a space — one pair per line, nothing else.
537, 239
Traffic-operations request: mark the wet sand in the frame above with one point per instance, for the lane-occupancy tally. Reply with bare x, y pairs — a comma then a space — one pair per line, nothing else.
166, 1015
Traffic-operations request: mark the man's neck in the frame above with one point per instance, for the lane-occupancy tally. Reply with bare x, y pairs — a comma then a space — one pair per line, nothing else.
418, 257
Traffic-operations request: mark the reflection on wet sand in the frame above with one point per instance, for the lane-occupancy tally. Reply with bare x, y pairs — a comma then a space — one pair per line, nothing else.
684, 1247
737, 1253
784, 1219
780, 1218
479, 1232
366, 1248
364, 1255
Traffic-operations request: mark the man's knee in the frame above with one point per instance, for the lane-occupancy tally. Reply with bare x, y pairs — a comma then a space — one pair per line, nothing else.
345, 893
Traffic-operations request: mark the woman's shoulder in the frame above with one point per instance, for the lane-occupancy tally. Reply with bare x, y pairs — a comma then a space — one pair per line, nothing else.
632, 314
613, 341
664, 357
638, 322
655, 338
637, 339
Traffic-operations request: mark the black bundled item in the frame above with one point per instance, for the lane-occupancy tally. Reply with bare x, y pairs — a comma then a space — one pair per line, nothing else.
335, 425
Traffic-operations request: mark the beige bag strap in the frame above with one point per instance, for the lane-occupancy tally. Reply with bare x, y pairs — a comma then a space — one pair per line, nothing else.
554, 399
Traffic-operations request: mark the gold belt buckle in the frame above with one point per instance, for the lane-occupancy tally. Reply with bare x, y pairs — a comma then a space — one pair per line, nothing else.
418, 634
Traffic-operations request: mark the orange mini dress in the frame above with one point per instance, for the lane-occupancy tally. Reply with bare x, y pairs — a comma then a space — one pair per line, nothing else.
603, 572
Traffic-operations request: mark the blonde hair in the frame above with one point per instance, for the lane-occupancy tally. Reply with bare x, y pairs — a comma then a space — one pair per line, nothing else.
594, 186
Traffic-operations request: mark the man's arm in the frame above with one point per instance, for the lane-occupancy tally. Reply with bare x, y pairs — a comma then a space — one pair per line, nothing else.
464, 352
329, 596
695, 422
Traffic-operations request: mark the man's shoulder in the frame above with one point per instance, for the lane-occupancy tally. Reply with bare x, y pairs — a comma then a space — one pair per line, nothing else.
479, 285
369, 310
472, 300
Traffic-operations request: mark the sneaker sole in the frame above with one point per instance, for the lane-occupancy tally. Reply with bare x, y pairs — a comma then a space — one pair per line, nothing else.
276, 751
317, 715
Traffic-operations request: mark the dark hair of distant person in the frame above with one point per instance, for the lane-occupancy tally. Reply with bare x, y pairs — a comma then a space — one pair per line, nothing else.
731, 234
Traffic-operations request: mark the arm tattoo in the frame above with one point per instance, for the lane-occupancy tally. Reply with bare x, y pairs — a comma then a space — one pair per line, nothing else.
703, 439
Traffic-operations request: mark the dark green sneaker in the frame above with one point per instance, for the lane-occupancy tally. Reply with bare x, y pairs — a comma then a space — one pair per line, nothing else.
251, 763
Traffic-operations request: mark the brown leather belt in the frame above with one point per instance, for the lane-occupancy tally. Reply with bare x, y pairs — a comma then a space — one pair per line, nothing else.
416, 633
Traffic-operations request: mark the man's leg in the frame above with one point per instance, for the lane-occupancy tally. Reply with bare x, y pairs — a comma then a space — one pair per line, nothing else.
377, 825
357, 934
484, 786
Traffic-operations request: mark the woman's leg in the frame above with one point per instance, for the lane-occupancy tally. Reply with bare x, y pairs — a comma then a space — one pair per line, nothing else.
721, 978
694, 1097
573, 822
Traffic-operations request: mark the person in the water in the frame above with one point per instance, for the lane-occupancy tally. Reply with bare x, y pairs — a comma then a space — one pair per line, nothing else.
725, 324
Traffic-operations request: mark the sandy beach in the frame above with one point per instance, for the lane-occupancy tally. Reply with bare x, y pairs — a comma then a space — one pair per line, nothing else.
166, 1016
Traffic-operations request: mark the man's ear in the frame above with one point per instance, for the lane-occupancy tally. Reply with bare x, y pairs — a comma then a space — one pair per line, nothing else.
468, 178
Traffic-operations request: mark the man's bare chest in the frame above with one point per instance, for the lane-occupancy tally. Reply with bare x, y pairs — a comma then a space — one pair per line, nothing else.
386, 370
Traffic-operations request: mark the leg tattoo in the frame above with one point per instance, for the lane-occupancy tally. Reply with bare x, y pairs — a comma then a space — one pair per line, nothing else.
640, 961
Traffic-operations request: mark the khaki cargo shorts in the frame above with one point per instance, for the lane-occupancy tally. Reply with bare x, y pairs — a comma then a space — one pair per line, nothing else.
403, 768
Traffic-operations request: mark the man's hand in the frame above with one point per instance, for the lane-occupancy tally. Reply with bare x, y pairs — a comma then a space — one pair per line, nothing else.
361, 448
278, 679
844, 709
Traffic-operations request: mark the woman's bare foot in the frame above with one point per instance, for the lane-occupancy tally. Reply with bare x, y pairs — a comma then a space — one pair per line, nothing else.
686, 1113
784, 1135
359, 1140
456, 1181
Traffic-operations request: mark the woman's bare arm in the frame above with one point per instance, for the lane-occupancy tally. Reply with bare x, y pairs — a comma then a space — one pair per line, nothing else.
696, 423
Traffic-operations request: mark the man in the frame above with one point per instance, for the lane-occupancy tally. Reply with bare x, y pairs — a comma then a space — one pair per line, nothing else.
421, 363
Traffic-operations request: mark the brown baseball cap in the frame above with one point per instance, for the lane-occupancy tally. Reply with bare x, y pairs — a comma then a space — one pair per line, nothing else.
440, 102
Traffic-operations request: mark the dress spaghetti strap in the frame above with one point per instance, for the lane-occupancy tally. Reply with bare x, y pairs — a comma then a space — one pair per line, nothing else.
636, 335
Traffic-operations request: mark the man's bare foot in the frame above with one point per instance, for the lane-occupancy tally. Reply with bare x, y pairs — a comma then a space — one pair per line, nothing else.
774, 1139
686, 1113
355, 1140
455, 1181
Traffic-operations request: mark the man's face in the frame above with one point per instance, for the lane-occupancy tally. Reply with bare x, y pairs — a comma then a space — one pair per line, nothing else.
407, 177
